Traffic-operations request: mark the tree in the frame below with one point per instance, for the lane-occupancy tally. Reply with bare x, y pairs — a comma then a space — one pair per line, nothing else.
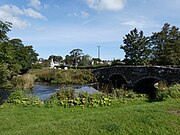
136, 47
55, 58
69, 60
166, 46
85, 60
76, 54
4, 28
4, 75
13, 52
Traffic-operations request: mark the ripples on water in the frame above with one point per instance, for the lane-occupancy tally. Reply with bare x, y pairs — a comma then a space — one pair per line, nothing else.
44, 91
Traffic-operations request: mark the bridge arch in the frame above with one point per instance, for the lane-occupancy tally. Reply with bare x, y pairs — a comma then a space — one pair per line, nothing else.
118, 80
146, 85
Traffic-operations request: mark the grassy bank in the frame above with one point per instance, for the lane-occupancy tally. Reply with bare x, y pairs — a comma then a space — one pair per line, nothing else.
71, 76
136, 117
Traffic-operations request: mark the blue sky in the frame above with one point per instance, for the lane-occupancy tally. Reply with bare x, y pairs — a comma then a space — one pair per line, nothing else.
58, 26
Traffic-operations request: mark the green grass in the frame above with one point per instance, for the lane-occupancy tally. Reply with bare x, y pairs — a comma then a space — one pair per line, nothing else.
135, 117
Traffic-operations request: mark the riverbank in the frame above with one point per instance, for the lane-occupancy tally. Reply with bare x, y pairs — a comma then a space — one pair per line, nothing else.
137, 117
64, 77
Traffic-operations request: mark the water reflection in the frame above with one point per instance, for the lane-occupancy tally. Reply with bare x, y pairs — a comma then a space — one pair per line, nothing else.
44, 91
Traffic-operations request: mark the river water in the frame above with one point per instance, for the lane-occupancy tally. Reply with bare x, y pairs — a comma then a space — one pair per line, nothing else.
44, 91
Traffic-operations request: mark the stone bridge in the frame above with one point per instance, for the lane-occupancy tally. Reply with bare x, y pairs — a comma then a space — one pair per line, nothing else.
137, 76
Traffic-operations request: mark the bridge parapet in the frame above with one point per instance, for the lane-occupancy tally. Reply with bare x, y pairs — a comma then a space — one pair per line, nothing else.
133, 74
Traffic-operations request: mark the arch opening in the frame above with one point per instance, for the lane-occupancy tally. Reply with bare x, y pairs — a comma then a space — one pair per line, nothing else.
146, 86
118, 81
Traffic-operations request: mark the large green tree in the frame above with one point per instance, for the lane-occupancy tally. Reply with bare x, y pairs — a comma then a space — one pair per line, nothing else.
166, 46
136, 47
14, 55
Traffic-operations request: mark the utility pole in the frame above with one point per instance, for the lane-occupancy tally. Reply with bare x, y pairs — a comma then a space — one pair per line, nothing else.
98, 51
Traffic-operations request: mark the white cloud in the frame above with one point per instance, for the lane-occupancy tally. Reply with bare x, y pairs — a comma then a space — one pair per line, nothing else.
18, 23
13, 14
88, 21
10, 13
40, 29
135, 23
84, 14
109, 5
34, 14
11, 9
140, 22
35, 3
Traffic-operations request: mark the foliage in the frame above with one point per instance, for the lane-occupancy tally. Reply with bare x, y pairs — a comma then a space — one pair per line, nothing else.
37, 66
117, 62
43, 63
136, 47
68, 98
14, 56
76, 54
85, 60
125, 95
69, 60
55, 58
162, 48
4, 28
17, 56
71, 76
77, 58
163, 93
20, 97
166, 46
23, 82
4, 75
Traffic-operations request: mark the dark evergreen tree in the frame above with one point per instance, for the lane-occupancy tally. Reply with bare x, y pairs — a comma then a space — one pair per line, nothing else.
137, 48
166, 46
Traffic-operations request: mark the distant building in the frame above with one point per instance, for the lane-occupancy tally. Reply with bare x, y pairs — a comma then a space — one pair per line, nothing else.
53, 64
58, 65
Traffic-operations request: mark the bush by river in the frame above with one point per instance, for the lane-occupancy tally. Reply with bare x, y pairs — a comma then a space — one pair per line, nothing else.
71, 76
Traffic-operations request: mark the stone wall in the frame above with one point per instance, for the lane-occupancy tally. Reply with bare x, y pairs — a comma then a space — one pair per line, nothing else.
134, 74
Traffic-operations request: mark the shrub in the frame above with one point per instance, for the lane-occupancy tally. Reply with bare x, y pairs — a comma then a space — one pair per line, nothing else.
128, 94
163, 93
20, 97
23, 81
45, 75
71, 76
68, 98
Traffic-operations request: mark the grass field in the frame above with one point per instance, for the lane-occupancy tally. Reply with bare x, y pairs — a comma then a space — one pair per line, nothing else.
135, 117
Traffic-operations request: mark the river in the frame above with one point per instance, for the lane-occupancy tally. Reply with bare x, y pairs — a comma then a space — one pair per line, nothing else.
44, 91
